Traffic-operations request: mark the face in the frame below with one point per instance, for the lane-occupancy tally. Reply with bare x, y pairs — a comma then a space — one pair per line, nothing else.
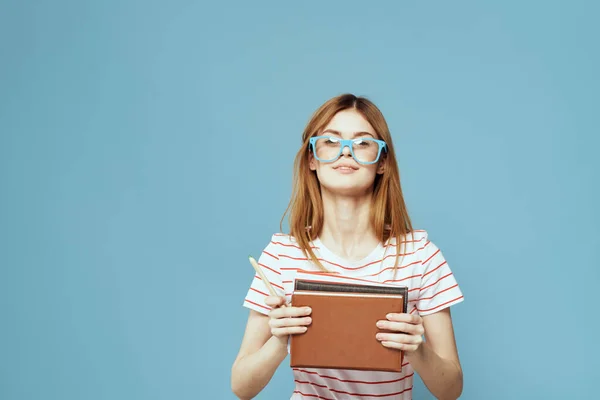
345, 175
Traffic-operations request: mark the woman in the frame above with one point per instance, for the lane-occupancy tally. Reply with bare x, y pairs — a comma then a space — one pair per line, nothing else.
348, 216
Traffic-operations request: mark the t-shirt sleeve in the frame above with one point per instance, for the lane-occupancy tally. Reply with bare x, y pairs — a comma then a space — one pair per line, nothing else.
258, 292
439, 288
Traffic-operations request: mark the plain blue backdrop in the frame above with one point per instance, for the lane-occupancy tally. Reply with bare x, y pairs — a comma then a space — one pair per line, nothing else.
146, 150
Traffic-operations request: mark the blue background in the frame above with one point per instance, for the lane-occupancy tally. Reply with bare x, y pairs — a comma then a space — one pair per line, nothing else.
146, 149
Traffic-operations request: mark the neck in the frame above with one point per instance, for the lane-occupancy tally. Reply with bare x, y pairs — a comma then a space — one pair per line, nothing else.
347, 229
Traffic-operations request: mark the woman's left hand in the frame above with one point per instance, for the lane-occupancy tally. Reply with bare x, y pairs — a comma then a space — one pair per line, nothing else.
407, 332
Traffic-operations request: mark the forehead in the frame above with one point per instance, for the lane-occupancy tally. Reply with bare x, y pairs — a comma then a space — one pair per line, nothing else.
349, 121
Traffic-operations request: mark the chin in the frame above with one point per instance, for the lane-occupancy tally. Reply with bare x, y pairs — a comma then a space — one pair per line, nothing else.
354, 184
347, 187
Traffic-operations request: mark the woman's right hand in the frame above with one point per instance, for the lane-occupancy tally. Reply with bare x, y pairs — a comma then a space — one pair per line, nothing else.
288, 320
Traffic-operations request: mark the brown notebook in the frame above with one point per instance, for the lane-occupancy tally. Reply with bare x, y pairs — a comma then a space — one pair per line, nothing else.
343, 328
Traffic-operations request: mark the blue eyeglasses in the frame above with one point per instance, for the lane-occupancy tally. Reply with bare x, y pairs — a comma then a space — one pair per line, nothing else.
363, 150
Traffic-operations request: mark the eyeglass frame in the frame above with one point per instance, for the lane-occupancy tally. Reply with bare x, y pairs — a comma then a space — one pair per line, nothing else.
347, 143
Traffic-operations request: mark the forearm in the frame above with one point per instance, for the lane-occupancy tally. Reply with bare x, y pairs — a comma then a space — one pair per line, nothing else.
251, 373
442, 377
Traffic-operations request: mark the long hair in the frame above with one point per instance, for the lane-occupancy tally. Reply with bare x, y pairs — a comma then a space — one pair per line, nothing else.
389, 216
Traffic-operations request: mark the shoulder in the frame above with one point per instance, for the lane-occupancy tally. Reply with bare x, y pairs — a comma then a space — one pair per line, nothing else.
417, 236
282, 239
411, 242
282, 244
417, 245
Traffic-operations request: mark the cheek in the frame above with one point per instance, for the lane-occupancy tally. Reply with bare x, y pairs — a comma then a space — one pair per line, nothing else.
312, 163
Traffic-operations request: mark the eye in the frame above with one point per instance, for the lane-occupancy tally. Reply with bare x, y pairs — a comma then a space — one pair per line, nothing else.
363, 143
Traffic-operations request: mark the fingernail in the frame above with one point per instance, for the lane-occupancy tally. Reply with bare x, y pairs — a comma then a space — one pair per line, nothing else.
307, 309
379, 324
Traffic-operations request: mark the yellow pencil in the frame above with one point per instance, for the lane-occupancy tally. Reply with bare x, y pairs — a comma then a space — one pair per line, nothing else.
262, 276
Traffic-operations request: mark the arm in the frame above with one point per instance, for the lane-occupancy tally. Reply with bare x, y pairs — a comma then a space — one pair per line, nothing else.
436, 360
259, 356
264, 346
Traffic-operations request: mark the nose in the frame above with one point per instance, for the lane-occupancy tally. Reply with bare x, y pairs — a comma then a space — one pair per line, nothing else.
346, 151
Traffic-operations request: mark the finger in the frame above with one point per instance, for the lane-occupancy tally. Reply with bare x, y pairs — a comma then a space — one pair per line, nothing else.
284, 312
405, 317
401, 327
400, 346
290, 330
399, 338
283, 322
274, 301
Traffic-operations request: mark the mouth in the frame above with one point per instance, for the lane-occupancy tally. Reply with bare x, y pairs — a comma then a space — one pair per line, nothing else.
345, 168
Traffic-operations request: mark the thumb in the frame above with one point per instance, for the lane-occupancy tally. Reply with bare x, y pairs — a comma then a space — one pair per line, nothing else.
275, 301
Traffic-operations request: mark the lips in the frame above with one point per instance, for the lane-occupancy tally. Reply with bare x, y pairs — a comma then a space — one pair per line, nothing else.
346, 166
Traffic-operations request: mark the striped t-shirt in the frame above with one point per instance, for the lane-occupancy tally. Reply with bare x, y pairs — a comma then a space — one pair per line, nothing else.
423, 269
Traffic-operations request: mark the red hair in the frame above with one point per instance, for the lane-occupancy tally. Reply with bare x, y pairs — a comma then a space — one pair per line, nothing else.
389, 216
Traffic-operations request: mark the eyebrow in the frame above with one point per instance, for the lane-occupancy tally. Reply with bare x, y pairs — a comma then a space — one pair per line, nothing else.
353, 136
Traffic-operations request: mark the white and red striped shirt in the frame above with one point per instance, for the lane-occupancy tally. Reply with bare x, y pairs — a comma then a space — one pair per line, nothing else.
423, 270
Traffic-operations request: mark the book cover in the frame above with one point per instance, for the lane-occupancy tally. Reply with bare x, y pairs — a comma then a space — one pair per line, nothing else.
343, 331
